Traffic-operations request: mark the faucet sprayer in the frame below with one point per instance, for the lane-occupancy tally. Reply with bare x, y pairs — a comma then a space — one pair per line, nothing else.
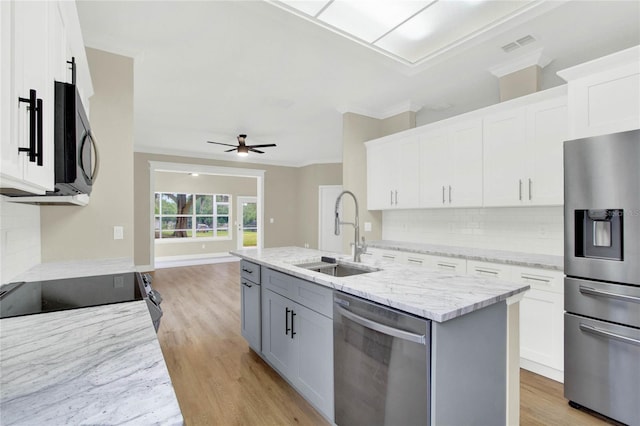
357, 248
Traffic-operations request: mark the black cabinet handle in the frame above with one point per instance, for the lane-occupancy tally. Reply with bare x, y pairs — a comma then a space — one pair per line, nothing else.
247, 270
247, 284
286, 321
293, 314
35, 127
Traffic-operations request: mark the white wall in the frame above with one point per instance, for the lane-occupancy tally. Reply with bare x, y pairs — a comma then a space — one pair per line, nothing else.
523, 229
20, 238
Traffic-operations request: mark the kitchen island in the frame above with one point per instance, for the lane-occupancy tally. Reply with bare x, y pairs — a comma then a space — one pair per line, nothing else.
96, 365
470, 339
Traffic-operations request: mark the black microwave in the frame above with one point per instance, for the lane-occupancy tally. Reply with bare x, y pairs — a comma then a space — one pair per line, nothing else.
75, 153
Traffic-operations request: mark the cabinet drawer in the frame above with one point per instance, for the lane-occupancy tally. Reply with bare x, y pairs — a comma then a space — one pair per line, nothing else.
449, 264
610, 302
250, 271
539, 279
313, 296
488, 269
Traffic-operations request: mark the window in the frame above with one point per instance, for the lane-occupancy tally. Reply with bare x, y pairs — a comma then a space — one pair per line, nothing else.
192, 215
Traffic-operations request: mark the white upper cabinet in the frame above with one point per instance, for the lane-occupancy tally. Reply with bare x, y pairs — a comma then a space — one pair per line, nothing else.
451, 166
34, 48
393, 174
523, 154
604, 94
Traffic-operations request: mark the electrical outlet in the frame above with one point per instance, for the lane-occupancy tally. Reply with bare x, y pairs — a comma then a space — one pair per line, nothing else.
118, 282
118, 233
367, 227
306, 245
271, 220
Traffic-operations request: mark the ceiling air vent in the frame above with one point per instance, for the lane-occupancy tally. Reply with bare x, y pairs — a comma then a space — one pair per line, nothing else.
510, 47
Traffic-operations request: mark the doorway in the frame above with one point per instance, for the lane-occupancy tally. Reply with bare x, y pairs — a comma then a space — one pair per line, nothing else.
247, 223
327, 240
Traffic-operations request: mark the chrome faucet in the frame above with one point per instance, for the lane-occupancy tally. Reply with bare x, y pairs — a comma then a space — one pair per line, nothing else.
358, 248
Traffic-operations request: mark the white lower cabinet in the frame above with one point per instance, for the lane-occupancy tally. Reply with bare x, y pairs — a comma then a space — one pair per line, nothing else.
298, 341
541, 322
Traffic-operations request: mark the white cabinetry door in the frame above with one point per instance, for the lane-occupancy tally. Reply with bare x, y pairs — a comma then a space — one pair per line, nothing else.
466, 179
504, 161
277, 344
250, 313
541, 322
547, 129
314, 337
451, 166
393, 175
435, 166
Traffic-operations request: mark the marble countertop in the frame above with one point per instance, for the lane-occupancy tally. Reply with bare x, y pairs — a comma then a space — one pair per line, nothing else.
98, 365
76, 268
423, 292
530, 260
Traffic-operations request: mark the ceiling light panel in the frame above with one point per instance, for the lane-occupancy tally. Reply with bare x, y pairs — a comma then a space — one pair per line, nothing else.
444, 24
308, 7
369, 20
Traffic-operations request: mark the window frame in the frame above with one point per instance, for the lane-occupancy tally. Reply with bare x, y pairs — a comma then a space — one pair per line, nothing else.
193, 216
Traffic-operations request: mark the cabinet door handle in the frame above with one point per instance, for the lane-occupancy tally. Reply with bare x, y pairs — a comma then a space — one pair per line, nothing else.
446, 265
520, 189
33, 122
449, 194
293, 314
530, 185
443, 195
40, 118
246, 284
486, 271
396, 197
286, 321
391, 193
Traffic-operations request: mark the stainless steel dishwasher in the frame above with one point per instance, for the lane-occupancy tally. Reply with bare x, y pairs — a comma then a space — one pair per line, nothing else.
381, 364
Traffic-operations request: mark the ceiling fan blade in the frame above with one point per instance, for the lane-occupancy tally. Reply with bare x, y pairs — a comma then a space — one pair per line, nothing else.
232, 149
262, 146
220, 143
255, 150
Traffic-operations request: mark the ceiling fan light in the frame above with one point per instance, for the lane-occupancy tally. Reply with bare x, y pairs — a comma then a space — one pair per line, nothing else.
243, 151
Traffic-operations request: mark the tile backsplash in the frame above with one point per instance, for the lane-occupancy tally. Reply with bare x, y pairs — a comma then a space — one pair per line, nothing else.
20, 238
523, 229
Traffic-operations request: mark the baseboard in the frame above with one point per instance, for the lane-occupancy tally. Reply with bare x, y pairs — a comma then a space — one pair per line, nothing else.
194, 259
543, 370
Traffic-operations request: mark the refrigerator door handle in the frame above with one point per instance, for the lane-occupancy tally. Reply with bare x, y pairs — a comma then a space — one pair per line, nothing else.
594, 292
608, 334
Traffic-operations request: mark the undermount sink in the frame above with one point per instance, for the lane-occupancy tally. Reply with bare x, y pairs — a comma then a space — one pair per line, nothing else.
337, 269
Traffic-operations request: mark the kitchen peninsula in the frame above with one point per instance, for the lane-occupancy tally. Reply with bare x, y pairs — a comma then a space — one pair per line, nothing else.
467, 343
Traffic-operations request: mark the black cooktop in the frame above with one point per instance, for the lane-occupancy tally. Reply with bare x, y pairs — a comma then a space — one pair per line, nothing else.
26, 298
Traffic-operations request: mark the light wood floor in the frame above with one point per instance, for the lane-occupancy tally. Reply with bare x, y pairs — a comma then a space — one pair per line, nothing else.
219, 381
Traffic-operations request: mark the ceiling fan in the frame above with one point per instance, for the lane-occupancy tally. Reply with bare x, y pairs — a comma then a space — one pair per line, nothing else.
242, 148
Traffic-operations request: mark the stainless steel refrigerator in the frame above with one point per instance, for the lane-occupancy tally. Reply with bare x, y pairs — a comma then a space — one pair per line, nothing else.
602, 267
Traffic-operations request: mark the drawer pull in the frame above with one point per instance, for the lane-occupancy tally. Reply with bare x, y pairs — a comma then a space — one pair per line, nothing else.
415, 261
486, 271
246, 284
594, 292
541, 280
446, 265
247, 270
608, 334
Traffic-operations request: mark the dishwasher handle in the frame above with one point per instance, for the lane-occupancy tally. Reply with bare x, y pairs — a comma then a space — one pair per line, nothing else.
384, 329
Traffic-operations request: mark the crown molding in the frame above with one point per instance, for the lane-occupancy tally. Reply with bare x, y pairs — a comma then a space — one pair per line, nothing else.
534, 57
396, 109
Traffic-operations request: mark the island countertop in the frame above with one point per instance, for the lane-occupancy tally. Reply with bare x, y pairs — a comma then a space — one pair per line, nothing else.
423, 292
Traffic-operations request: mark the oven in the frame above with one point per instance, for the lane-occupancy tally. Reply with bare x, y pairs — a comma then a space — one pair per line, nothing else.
36, 297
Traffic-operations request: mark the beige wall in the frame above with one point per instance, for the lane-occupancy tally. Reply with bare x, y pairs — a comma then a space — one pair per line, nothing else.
282, 189
357, 129
203, 184
520, 83
87, 232
310, 177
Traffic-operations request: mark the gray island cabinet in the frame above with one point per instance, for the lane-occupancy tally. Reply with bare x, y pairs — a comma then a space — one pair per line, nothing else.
467, 350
